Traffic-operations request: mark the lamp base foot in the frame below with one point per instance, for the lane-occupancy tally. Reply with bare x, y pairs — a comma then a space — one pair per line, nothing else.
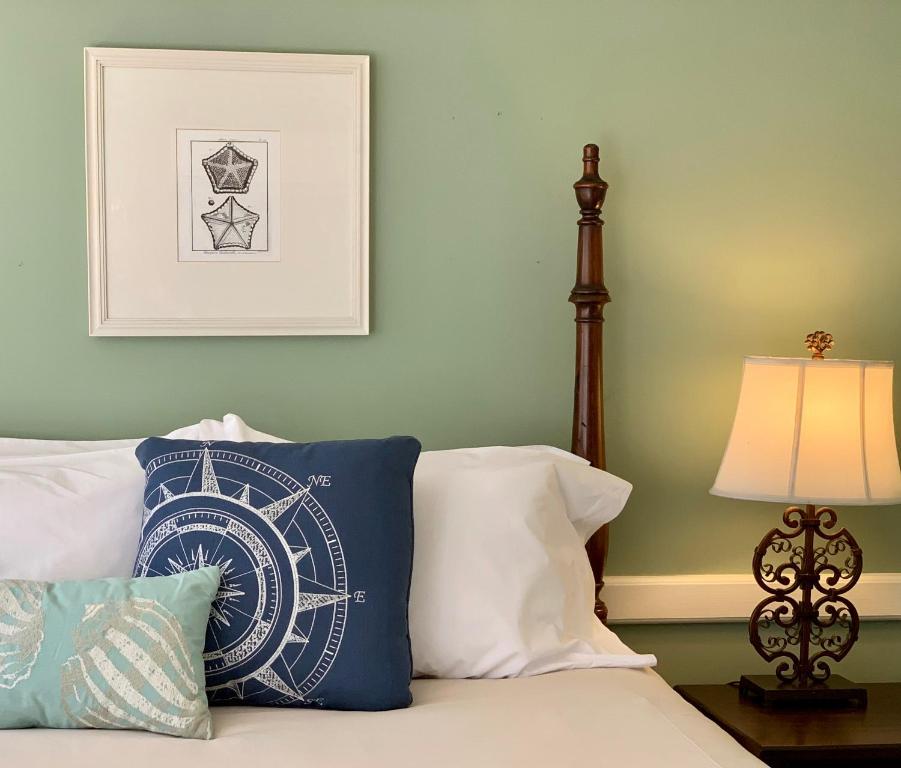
770, 691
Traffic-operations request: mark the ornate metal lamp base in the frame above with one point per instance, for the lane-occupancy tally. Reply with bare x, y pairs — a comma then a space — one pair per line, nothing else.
770, 691
806, 620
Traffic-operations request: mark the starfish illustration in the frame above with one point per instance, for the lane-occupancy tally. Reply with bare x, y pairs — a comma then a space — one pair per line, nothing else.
231, 225
229, 169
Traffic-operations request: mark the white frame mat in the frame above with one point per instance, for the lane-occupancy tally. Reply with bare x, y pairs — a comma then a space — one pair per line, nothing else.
281, 241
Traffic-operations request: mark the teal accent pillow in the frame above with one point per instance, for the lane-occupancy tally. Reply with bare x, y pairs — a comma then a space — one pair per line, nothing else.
111, 653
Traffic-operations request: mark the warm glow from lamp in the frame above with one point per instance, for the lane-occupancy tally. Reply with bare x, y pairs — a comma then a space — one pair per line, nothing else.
813, 432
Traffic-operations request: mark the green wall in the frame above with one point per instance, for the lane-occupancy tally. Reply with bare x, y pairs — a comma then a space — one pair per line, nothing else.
752, 152
719, 653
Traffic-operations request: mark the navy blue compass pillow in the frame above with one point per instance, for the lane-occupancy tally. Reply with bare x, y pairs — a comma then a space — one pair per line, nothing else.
315, 546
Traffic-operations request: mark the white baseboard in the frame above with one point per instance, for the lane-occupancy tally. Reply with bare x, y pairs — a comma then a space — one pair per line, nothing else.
725, 597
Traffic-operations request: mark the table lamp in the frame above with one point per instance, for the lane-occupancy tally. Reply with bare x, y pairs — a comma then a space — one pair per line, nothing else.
812, 433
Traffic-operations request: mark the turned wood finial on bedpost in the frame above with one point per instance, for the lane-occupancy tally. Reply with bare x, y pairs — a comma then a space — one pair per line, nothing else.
589, 294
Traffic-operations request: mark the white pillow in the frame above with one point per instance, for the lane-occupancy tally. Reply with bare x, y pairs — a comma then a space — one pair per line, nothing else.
11, 447
75, 515
501, 584
232, 428
593, 497
72, 509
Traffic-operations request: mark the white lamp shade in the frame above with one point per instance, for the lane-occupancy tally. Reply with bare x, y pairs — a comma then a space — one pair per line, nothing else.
813, 432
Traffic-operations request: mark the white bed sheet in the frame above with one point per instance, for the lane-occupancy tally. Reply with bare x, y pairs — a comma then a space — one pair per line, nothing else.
619, 718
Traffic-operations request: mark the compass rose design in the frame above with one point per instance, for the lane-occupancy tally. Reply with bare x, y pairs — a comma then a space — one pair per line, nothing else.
279, 615
220, 610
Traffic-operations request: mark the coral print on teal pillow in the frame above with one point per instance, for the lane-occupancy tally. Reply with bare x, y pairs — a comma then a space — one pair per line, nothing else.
111, 653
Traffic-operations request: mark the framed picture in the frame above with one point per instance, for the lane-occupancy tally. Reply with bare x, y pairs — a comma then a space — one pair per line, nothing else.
228, 193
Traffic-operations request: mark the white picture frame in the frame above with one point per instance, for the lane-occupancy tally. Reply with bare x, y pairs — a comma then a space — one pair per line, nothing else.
227, 193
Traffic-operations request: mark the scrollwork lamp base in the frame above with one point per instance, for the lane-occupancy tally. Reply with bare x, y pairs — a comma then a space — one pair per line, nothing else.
806, 620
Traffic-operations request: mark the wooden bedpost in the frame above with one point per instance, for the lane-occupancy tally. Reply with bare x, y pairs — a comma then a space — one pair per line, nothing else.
590, 295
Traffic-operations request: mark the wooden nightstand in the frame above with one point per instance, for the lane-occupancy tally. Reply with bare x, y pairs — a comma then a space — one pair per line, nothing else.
785, 738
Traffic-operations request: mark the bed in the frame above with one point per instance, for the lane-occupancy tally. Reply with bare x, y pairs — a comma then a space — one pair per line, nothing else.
607, 717
615, 717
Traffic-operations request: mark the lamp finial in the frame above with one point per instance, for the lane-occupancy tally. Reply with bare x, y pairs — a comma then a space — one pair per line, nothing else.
819, 342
